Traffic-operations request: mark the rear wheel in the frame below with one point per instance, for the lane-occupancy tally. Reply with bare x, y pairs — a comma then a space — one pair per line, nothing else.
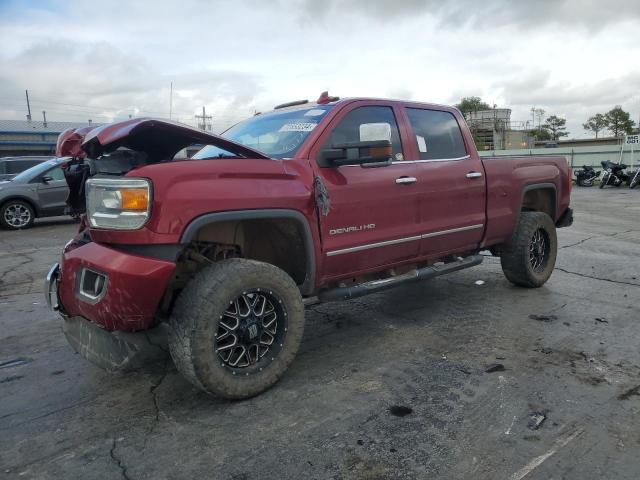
635, 180
236, 327
16, 214
530, 258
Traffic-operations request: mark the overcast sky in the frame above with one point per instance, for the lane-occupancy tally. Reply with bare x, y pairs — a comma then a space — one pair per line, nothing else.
108, 59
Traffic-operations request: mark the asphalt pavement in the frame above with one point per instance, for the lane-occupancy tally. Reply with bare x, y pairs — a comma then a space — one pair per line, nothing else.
389, 386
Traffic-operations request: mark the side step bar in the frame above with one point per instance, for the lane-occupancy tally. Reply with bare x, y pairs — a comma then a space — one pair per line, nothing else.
346, 293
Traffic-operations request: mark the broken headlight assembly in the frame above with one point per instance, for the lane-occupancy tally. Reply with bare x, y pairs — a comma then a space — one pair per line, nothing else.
118, 204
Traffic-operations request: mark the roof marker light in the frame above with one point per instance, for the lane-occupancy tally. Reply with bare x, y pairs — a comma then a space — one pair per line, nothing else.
325, 98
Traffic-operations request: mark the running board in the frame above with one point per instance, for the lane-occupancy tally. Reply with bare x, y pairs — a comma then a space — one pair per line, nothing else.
346, 293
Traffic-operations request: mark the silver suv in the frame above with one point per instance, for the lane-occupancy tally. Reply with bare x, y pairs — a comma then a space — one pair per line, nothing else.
12, 166
40, 191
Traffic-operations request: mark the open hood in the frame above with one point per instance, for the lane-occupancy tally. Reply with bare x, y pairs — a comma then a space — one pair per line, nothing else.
158, 139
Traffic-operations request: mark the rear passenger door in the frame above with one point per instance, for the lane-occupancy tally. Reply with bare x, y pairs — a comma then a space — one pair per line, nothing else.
450, 177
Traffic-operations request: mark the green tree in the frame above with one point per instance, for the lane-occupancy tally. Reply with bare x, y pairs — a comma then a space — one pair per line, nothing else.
619, 121
472, 104
541, 133
596, 124
556, 126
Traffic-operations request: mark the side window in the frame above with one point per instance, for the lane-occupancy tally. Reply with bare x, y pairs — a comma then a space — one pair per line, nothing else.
438, 134
18, 166
56, 174
362, 122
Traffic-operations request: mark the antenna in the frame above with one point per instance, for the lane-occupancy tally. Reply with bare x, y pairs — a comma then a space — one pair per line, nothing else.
170, 100
26, 92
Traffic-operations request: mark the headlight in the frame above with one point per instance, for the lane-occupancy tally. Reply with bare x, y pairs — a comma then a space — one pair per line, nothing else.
118, 203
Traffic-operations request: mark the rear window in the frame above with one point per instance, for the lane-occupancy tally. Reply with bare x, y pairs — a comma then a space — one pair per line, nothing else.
438, 134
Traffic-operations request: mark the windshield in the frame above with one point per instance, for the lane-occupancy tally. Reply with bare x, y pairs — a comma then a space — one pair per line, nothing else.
278, 134
33, 172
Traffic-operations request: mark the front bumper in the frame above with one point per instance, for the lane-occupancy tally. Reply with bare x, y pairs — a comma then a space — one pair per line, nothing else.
130, 289
109, 350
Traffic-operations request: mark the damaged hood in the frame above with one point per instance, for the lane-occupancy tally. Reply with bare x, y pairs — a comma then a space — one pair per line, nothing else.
159, 139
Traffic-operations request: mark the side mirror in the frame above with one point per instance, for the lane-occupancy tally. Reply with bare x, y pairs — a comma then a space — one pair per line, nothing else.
373, 153
47, 179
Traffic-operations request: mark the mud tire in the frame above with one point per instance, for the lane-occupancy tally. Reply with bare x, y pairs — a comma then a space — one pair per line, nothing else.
515, 259
195, 320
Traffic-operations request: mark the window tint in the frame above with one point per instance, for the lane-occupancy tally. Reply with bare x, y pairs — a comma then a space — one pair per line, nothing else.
18, 166
353, 126
437, 134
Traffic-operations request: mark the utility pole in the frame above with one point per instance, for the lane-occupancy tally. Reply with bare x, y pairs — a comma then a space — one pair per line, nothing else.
26, 92
171, 101
204, 117
44, 116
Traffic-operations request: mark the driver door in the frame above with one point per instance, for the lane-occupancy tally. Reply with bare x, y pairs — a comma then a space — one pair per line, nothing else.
373, 215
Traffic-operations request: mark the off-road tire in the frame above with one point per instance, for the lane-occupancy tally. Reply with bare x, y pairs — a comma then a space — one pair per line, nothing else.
515, 259
195, 319
20, 204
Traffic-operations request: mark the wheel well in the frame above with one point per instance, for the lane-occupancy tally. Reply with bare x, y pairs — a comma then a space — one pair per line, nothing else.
278, 241
540, 199
22, 199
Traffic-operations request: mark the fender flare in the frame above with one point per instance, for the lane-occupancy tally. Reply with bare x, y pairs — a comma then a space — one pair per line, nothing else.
542, 186
196, 224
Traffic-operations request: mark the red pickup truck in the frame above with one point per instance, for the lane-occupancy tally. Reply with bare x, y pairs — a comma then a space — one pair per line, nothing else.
313, 201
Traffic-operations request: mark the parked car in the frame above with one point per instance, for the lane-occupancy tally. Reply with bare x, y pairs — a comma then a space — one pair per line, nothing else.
312, 202
40, 191
12, 166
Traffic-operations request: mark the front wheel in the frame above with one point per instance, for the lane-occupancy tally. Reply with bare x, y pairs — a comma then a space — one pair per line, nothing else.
236, 327
16, 214
634, 182
531, 256
605, 180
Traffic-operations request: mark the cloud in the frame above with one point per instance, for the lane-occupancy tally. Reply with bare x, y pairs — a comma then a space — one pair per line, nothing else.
571, 57
484, 15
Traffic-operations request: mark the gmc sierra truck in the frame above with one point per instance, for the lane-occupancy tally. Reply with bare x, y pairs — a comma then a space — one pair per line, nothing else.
311, 202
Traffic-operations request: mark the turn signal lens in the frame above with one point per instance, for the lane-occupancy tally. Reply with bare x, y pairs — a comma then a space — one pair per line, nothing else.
135, 198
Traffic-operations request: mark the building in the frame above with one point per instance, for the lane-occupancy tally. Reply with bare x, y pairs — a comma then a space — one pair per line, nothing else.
494, 130
22, 137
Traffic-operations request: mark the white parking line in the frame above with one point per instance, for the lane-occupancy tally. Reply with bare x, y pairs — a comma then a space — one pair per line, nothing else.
537, 461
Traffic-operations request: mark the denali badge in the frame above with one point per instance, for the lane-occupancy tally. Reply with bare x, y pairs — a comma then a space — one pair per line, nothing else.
358, 228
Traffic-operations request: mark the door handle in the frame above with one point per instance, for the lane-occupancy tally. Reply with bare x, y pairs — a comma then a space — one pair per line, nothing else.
474, 175
406, 180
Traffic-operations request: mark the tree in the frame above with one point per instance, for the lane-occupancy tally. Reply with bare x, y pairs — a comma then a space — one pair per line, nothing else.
541, 133
556, 126
472, 104
596, 124
619, 121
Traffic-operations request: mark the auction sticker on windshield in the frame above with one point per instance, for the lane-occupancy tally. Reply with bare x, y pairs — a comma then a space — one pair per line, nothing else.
298, 127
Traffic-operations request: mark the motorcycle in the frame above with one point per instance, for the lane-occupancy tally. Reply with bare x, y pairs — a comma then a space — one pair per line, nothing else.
586, 176
614, 174
635, 180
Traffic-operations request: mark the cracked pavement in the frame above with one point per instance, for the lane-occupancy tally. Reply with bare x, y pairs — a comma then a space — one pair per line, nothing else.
423, 346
